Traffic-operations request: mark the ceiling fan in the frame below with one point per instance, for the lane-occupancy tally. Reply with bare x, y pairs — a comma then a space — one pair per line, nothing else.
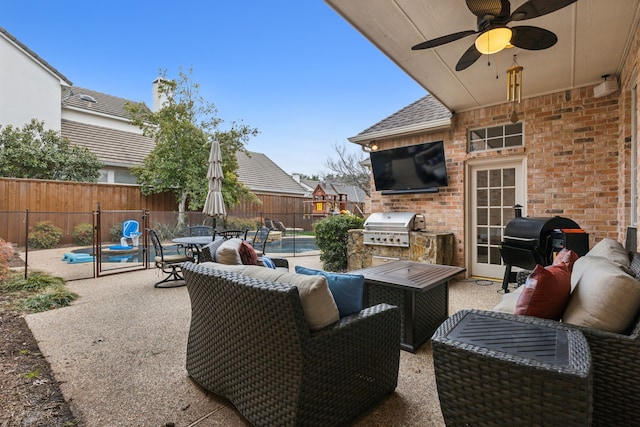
493, 33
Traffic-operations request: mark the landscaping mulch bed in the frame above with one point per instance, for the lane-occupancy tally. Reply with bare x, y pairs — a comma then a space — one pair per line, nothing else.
29, 394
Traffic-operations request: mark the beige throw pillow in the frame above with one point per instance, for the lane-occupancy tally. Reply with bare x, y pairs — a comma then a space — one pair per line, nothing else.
605, 297
228, 252
612, 250
318, 304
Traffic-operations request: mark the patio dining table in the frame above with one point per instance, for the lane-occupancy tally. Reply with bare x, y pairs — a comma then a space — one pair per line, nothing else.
193, 243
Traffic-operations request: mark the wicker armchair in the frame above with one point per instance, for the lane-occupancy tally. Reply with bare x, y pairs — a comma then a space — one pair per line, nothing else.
616, 375
250, 343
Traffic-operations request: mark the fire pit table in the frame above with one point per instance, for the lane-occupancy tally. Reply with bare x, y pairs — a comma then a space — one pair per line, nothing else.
420, 290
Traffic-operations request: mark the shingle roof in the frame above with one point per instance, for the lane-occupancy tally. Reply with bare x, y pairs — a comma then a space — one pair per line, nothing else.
35, 56
261, 174
113, 147
107, 104
353, 193
423, 113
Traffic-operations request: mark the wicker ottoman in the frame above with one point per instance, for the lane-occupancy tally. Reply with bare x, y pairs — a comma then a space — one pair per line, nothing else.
495, 369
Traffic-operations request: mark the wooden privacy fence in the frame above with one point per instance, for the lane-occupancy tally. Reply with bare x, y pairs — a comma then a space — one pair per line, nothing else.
66, 196
67, 204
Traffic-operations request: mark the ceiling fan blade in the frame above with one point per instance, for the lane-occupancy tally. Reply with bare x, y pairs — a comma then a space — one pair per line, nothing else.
468, 58
535, 8
482, 8
443, 40
532, 38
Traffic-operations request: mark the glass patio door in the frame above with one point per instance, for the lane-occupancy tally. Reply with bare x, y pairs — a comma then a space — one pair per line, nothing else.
495, 190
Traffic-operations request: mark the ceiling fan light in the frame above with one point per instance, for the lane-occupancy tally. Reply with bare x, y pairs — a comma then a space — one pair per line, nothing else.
493, 41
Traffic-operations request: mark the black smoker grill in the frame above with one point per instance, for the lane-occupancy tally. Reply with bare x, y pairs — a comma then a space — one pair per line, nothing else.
530, 241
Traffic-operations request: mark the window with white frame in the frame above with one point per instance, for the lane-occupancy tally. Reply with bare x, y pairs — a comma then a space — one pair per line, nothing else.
496, 137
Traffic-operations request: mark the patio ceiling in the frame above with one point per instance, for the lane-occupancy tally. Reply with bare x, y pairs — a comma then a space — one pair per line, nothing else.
594, 37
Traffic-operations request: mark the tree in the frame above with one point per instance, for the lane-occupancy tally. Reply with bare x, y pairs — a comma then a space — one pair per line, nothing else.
33, 152
348, 169
183, 130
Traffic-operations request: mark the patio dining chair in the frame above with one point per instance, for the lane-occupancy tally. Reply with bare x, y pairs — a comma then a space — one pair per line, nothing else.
169, 264
200, 230
230, 234
259, 240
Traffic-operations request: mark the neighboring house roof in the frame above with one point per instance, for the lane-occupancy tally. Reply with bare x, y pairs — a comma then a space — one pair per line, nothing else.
107, 104
311, 183
425, 113
113, 147
261, 174
34, 56
354, 193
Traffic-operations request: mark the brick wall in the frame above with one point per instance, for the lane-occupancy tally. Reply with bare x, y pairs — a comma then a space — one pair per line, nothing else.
577, 164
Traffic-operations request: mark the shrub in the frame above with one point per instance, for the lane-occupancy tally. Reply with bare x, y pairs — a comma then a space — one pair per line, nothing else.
116, 232
331, 238
6, 253
50, 299
44, 235
169, 231
83, 234
38, 292
234, 223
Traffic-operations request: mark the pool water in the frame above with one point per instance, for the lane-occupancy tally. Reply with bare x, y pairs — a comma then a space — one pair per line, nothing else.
291, 245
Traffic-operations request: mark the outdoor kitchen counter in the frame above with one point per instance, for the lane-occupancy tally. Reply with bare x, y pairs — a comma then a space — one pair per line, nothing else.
420, 290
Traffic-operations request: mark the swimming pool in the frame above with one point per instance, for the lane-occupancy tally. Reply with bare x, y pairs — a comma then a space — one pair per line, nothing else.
287, 245
298, 244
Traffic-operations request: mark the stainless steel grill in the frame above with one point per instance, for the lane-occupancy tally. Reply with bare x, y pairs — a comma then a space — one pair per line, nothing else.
389, 228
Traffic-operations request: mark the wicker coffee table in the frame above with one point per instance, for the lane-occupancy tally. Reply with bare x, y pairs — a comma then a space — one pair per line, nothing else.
420, 290
497, 369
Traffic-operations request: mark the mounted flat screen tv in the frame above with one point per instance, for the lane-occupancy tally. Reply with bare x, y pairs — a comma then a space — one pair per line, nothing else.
417, 168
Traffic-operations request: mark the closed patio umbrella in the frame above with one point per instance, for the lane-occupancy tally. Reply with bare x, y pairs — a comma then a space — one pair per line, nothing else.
214, 205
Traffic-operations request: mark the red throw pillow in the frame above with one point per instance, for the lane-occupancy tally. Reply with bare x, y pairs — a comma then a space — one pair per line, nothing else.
566, 256
546, 292
248, 255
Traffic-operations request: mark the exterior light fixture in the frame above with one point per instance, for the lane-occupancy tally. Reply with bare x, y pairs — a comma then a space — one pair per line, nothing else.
371, 146
493, 40
81, 96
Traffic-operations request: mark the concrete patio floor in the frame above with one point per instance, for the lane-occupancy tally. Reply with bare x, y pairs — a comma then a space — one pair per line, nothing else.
119, 354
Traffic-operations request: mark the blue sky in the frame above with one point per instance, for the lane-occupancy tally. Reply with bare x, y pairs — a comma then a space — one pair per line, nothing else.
294, 69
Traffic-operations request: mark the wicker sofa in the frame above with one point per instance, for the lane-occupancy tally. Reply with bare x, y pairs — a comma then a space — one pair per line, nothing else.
250, 342
615, 356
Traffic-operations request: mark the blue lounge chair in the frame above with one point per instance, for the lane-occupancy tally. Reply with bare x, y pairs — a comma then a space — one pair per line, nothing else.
73, 258
130, 230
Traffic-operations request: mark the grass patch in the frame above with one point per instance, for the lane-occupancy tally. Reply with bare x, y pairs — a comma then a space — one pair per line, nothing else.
32, 374
38, 292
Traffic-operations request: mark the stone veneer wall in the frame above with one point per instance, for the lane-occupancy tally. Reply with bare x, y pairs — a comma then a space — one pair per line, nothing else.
424, 246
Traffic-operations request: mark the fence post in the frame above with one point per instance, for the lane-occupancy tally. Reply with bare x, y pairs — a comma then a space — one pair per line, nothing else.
26, 244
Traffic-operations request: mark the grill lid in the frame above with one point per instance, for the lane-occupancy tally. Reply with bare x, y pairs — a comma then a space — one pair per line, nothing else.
390, 221
537, 228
